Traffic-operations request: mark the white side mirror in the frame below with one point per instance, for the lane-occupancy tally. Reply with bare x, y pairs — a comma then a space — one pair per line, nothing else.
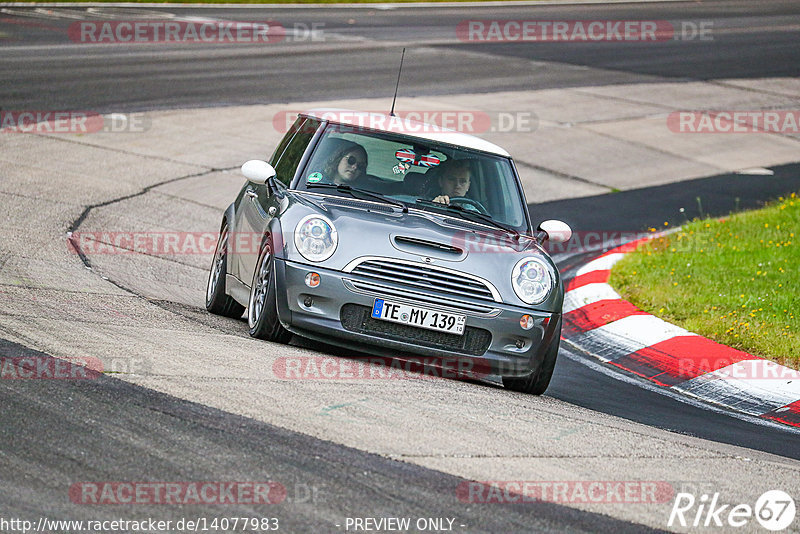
258, 172
557, 231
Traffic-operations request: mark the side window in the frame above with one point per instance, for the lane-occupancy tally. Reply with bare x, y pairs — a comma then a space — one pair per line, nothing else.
293, 150
286, 138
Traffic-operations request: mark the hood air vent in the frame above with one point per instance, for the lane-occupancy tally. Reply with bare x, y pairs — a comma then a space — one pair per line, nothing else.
420, 245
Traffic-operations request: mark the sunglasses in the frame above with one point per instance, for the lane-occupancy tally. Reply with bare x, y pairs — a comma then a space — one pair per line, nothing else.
459, 179
352, 160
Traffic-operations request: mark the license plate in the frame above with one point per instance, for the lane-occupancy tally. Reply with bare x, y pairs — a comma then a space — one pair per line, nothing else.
421, 317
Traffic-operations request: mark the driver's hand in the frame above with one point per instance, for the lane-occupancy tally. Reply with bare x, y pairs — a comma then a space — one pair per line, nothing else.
442, 199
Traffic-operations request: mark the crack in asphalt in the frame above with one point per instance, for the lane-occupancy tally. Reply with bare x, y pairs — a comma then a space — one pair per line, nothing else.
750, 89
88, 264
189, 200
133, 250
37, 199
77, 222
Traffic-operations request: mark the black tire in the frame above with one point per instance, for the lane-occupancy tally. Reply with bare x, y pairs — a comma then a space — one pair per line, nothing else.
262, 311
536, 383
217, 301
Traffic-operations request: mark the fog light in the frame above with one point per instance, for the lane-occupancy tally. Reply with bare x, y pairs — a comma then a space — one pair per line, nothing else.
526, 322
312, 279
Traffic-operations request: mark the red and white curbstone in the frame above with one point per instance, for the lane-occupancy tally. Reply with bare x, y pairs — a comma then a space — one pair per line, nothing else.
599, 322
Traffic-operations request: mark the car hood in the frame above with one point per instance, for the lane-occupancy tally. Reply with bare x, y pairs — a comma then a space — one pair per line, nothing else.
380, 229
368, 229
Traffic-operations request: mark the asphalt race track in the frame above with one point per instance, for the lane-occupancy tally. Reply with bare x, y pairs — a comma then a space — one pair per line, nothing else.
356, 450
324, 481
361, 54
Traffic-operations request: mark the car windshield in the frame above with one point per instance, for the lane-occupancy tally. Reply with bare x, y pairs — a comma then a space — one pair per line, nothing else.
420, 173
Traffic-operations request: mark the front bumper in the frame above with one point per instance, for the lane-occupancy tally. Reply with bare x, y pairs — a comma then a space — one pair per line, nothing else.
494, 343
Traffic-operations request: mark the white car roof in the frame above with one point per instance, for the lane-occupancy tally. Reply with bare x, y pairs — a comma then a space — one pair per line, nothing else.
403, 125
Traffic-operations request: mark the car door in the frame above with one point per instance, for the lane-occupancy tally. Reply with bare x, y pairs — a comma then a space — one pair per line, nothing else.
254, 215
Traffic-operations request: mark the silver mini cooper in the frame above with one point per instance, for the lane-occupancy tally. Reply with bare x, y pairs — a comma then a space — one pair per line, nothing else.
396, 238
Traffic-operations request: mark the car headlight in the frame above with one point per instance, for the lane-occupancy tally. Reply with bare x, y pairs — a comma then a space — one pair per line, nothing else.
315, 238
531, 280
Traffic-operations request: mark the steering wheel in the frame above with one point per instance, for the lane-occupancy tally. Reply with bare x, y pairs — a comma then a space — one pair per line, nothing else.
468, 203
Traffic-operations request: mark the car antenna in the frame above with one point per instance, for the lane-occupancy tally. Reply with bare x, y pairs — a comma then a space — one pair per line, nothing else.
391, 113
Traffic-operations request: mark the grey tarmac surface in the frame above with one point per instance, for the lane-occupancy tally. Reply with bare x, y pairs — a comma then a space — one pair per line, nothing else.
356, 54
141, 314
116, 431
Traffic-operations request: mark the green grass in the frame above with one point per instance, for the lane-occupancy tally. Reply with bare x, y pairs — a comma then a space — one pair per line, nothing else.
734, 280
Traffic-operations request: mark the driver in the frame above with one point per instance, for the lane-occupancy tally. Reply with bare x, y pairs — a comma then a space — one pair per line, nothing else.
454, 180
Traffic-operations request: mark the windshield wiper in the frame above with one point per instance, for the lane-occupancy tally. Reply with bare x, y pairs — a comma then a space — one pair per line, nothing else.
470, 215
356, 191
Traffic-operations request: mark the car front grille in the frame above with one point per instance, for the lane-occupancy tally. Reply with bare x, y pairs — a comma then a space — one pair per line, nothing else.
357, 318
420, 276
418, 298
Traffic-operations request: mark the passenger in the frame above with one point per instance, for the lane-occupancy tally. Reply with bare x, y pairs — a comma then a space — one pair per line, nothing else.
454, 180
347, 165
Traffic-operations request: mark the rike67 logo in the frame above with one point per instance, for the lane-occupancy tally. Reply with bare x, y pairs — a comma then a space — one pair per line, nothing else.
774, 510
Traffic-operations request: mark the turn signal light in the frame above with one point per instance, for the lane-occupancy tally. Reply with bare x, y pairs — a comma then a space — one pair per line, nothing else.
312, 279
526, 322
